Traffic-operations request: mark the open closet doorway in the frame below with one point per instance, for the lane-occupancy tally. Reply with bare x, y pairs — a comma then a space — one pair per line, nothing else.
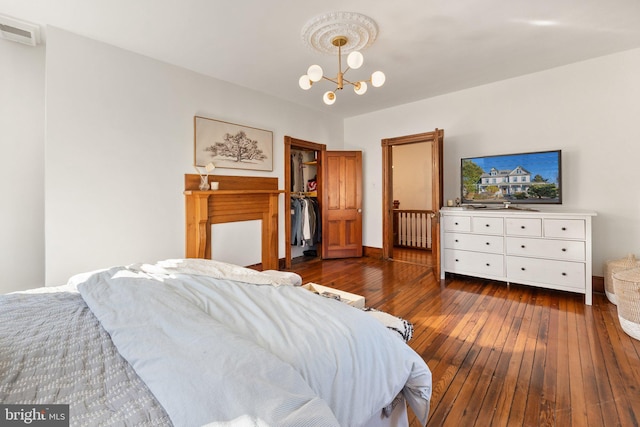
301, 176
412, 229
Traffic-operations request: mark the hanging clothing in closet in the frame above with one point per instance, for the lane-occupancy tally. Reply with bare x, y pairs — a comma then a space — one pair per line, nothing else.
297, 166
305, 221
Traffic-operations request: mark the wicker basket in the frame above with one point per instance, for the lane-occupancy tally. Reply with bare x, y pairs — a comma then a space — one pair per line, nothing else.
627, 288
611, 267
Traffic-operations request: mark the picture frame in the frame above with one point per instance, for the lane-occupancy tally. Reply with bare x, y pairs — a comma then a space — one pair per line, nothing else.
231, 146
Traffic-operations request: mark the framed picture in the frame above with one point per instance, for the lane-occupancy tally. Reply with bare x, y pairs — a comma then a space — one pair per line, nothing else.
232, 146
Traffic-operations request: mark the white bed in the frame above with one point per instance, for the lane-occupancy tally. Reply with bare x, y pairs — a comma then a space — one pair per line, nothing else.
196, 342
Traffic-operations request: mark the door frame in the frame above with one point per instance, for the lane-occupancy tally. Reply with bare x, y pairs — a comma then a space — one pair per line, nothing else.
436, 138
289, 144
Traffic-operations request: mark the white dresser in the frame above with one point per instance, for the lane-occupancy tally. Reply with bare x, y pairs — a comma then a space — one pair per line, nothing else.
546, 248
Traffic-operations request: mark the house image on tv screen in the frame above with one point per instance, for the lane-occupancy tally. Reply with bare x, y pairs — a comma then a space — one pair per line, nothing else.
508, 182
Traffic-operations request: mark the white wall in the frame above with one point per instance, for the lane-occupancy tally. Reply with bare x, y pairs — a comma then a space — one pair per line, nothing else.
119, 140
589, 110
21, 166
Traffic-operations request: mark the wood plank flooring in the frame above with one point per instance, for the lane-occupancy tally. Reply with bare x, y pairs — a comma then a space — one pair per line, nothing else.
502, 355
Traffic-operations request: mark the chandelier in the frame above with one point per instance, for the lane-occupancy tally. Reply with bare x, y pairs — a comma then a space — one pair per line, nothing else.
354, 61
343, 30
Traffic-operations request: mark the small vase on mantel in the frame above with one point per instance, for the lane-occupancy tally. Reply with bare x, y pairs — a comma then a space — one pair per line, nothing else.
204, 183
204, 177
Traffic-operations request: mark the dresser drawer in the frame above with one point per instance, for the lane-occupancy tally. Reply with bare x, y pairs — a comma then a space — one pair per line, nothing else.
524, 227
564, 274
467, 262
487, 225
565, 228
567, 250
457, 223
474, 242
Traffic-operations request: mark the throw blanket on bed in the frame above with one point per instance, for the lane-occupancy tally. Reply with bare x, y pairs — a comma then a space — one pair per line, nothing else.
216, 350
53, 350
402, 327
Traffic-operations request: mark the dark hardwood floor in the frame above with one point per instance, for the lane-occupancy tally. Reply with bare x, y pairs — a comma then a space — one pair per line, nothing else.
415, 256
502, 355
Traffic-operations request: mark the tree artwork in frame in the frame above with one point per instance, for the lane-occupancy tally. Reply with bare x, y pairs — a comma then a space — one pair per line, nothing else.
232, 146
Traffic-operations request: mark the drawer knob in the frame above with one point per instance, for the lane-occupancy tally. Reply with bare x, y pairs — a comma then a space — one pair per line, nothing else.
522, 226
522, 268
488, 265
487, 243
455, 223
564, 249
457, 260
522, 246
564, 228
564, 274
457, 240
487, 225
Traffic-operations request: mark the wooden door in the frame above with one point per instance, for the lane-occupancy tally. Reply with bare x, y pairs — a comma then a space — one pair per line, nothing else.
341, 204
437, 198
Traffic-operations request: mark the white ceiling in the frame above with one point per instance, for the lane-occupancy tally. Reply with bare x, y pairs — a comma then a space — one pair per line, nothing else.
425, 47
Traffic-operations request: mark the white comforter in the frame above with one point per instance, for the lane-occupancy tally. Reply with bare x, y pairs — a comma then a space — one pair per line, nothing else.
216, 350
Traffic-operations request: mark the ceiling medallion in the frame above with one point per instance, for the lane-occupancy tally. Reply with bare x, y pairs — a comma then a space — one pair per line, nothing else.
319, 32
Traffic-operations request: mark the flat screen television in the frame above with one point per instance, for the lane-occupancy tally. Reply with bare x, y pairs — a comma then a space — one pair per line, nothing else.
516, 178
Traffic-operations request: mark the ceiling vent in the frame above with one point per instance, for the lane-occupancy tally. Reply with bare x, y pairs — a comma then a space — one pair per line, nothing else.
19, 31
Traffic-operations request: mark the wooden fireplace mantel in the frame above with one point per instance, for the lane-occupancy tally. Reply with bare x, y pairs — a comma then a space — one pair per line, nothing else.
237, 199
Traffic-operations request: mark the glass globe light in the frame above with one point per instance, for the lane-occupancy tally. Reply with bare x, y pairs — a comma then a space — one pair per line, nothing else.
329, 98
355, 60
360, 88
378, 78
315, 73
304, 82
